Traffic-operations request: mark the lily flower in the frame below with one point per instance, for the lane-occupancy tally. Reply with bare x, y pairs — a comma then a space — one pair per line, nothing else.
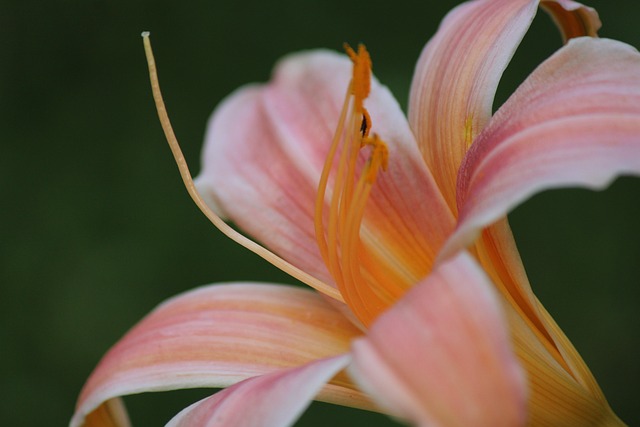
421, 306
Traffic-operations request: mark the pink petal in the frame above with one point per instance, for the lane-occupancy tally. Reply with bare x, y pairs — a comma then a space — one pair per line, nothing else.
275, 399
218, 335
442, 355
574, 122
458, 72
265, 149
247, 170
456, 78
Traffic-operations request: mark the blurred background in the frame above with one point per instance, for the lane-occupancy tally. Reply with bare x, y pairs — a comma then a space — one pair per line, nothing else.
96, 228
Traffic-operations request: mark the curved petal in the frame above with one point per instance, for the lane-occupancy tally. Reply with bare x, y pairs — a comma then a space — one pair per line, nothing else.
569, 93
271, 400
572, 18
459, 69
456, 78
265, 149
260, 181
574, 122
218, 335
255, 180
442, 355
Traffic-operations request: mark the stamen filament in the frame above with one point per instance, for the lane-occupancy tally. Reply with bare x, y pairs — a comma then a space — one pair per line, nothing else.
193, 192
349, 160
360, 289
340, 243
324, 178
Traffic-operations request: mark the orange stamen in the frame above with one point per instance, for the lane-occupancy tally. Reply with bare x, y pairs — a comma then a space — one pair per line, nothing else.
379, 157
340, 243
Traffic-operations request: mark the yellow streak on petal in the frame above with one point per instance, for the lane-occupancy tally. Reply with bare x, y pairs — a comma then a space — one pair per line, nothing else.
193, 192
469, 133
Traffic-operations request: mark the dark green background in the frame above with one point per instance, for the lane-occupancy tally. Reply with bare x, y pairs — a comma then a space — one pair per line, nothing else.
96, 228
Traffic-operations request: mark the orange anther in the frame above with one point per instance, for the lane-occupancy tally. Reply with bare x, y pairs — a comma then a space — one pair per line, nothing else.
379, 157
361, 80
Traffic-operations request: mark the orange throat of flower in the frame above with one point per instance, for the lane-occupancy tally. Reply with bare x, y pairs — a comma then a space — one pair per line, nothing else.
339, 240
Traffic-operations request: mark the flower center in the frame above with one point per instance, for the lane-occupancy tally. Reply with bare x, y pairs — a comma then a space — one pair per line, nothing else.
339, 241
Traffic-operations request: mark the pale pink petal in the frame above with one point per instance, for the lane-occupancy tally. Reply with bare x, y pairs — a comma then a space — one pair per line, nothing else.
459, 69
574, 122
218, 335
258, 181
265, 149
272, 400
456, 78
442, 356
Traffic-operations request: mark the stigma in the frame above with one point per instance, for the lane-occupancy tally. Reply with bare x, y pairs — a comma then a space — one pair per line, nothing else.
353, 163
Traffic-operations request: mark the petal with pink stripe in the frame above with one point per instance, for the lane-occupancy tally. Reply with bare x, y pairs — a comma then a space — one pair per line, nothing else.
459, 70
574, 122
216, 336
